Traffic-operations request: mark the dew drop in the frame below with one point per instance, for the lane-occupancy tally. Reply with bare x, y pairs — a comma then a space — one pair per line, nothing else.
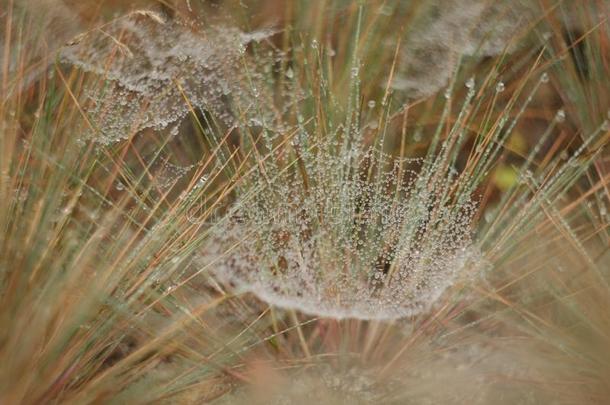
488, 216
560, 116
470, 83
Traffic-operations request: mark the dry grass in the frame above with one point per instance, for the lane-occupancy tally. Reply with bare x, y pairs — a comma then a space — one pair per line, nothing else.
108, 290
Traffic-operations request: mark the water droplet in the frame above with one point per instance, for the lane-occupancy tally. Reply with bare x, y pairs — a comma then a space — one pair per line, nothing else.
470, 83
526, 176
202, 180
488, 216
560, 116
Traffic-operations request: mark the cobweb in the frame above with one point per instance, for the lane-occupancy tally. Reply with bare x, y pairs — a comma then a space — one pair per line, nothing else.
153, 70
447, 30
342, 245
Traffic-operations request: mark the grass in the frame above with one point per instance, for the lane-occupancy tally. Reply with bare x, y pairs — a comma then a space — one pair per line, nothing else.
357, 202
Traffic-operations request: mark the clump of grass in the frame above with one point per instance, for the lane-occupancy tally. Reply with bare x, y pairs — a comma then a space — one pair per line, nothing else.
92, 246
304, 229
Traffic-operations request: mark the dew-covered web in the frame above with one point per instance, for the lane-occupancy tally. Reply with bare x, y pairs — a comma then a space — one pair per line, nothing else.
361, 237
447, 30
153, 70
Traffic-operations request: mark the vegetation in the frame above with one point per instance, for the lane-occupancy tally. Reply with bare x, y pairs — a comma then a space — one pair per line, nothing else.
280, 202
